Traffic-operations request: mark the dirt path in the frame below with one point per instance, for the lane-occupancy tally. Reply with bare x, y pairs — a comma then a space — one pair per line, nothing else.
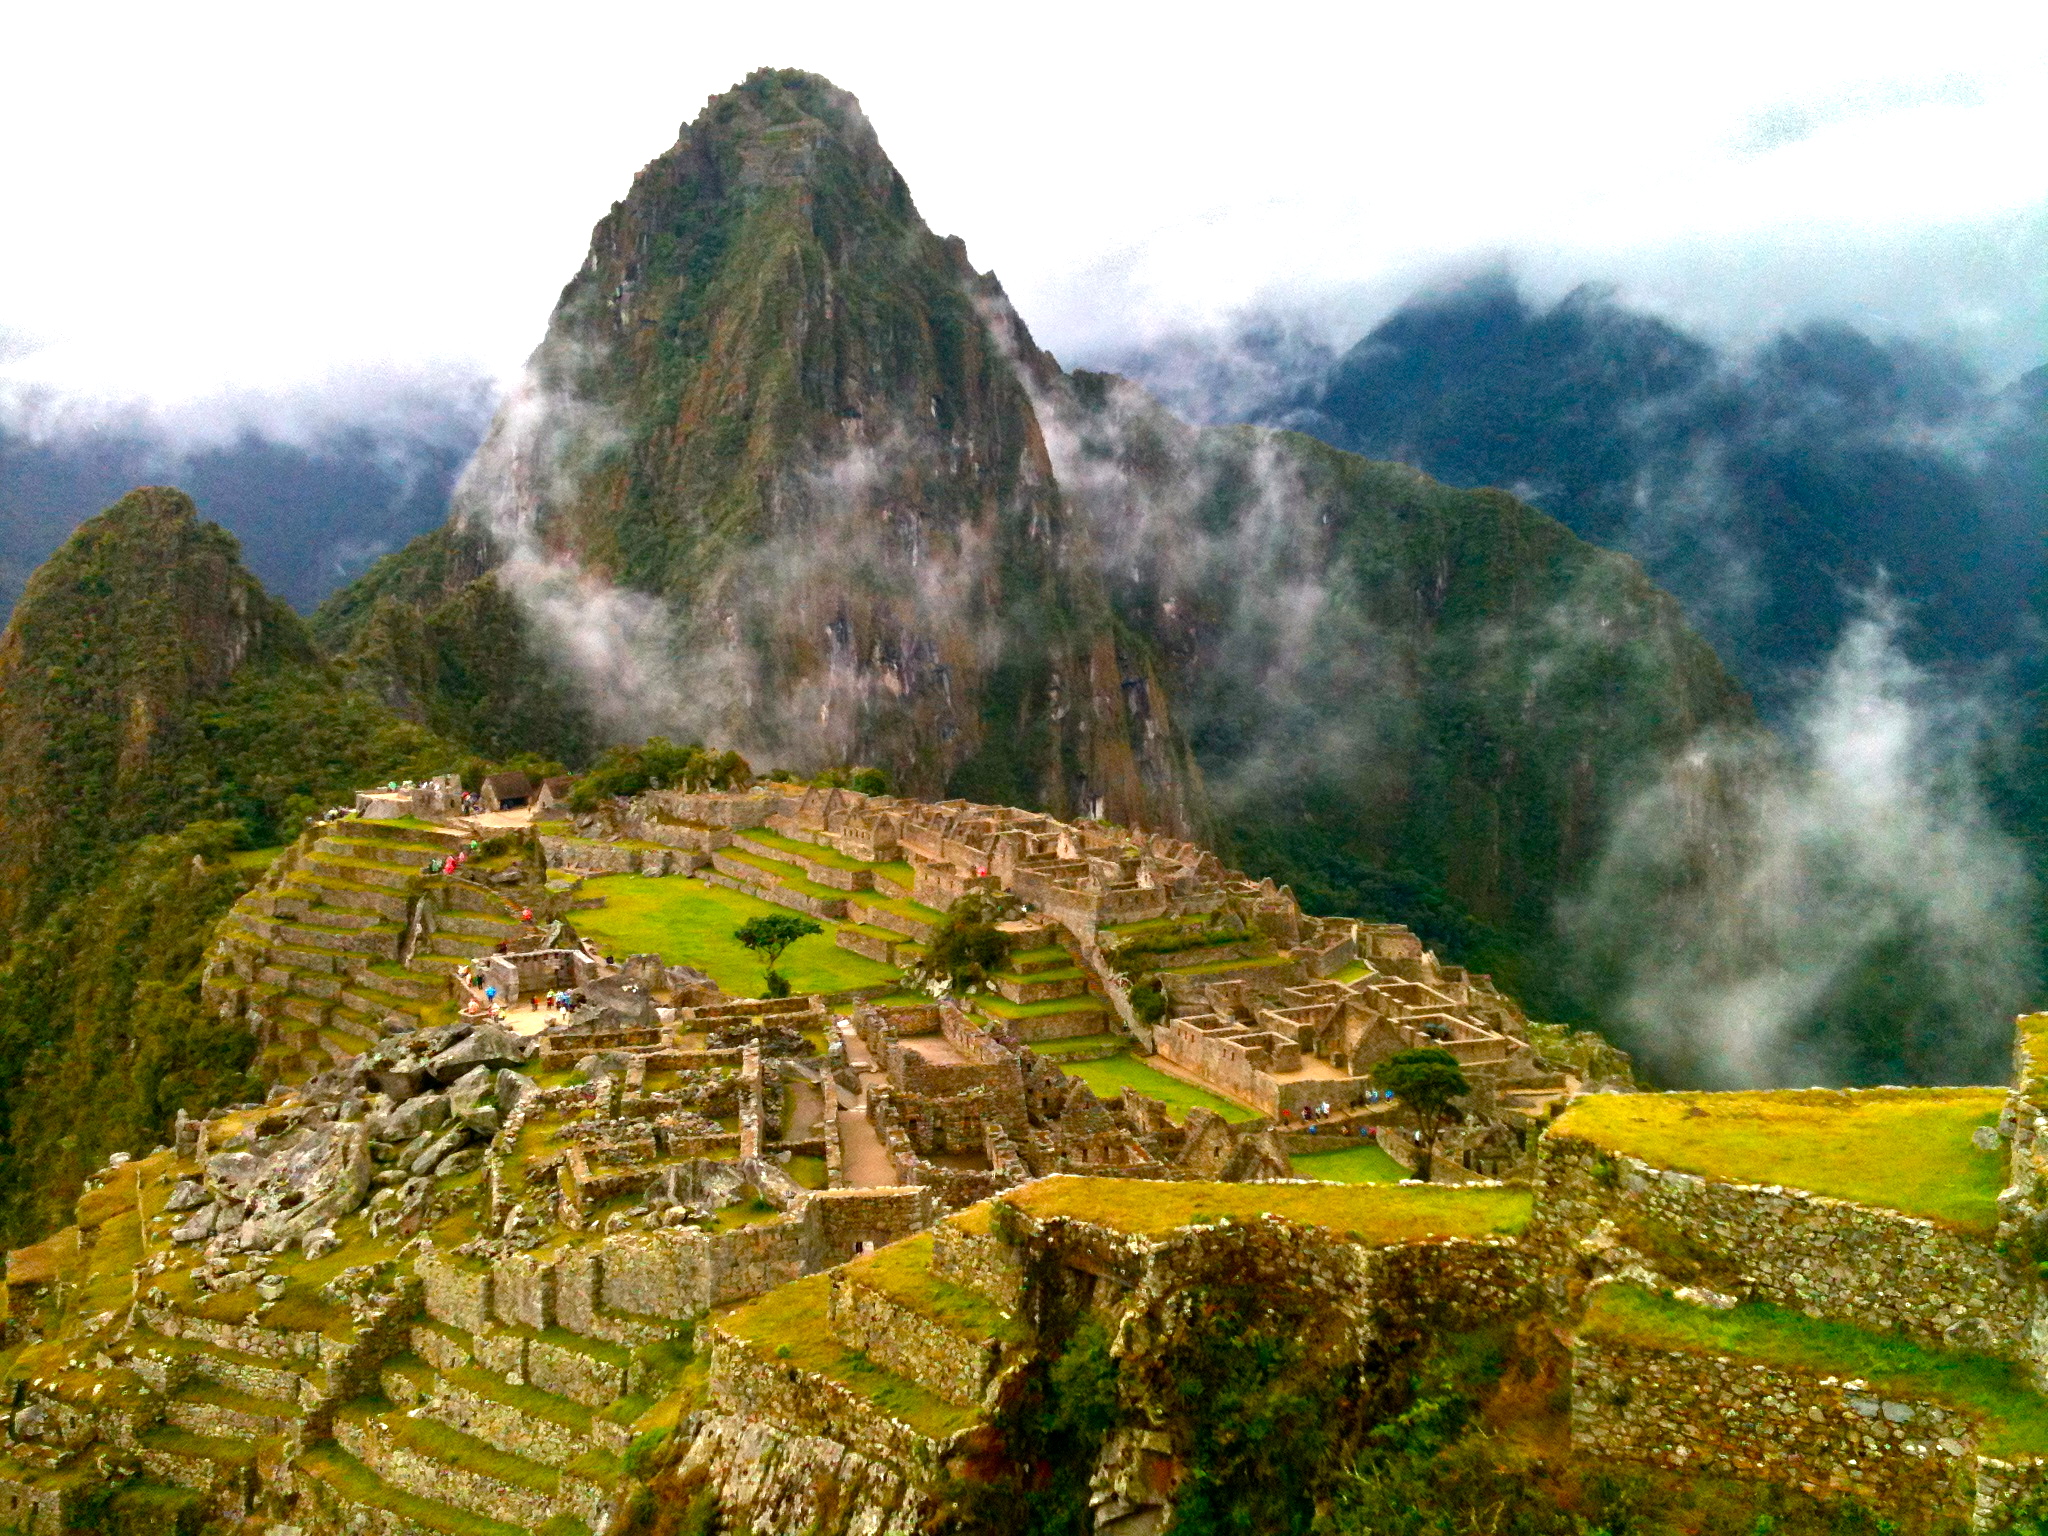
806, 1109
863, 1162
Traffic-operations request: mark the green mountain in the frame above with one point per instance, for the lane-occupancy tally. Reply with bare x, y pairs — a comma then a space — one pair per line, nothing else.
158, 708
787, 472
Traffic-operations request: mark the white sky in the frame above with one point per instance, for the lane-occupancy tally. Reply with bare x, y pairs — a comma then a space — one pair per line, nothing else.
205, 196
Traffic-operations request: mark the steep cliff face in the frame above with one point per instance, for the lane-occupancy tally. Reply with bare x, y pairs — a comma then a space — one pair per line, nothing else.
773, 481
1374, 669
787, 472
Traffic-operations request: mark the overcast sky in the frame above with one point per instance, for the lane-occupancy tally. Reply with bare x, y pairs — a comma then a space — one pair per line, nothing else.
204, 196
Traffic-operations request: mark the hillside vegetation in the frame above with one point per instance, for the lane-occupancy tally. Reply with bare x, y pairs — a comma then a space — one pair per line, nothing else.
158, 710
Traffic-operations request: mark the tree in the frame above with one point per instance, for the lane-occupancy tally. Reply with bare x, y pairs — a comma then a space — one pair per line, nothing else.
768, 936
1424, 1082
967, 945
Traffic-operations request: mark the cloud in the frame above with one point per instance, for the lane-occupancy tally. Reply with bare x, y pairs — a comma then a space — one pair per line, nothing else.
1838, 908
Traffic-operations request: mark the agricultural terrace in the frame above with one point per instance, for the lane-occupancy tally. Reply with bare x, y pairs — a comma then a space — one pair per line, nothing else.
1908, 1149
1368, 1213
1110, 1075
793, 1323
687, 922
1363, 1163
1996, 1391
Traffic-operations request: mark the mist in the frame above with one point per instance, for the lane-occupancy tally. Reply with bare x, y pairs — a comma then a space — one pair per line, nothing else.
316, 483
1835, 905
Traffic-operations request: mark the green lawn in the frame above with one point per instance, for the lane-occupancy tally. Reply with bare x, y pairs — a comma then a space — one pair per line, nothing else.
1361, 1163
1374, 1213
1905, 1148
2016, 1416
689, 923
1112, 1074
1357, 970
256, 858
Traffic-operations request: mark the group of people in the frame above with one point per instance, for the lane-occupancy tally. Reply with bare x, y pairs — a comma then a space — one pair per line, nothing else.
455, 860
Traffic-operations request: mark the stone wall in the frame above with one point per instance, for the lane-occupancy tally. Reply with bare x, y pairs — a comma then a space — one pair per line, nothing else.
948, 1365
768, 1479
752, 1384
979, 1261
1713, 1416
1828, 1258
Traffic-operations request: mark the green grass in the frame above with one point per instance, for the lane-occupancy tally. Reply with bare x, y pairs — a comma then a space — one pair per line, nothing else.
902, 906
1362, 1163
787, 875
1077, 1043
808, 1172
255, 858
898, 870
689, 923
1003, 1008
1905, 1148
790, 1324
1372, 1213
1357, 970
1110, 1075
902, 1272
2015, 1416
830, 858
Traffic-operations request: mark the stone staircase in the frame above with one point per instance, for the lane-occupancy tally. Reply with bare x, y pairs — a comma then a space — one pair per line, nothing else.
348, 939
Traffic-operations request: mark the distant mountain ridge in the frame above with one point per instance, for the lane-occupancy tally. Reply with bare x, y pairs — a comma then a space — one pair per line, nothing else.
1767, 491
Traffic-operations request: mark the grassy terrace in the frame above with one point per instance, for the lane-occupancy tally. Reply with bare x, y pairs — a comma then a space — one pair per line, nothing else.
1370, 1213
1109, 1076
1073, 1043
902, 1272
689, 923
817, 853
902, 906
1363, 1163
2015, 1416
790, 1324
1003, 1008
1905, 1148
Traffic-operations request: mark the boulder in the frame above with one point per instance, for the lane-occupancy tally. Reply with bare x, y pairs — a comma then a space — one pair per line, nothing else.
459, 1162
197, 1227
489, 1046
438, 1148
425, 1112
188, 1196
599, 1065
471, 1100
514, 1089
